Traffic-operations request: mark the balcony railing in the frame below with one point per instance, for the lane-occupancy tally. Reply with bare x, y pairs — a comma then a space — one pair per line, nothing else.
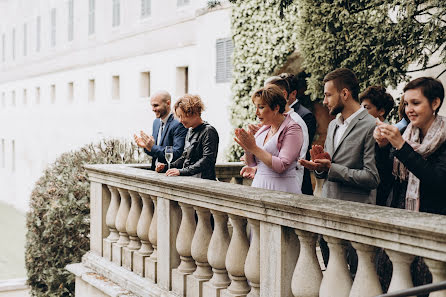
153, 235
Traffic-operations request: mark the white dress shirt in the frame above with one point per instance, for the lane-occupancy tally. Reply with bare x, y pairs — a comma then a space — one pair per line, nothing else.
343, 125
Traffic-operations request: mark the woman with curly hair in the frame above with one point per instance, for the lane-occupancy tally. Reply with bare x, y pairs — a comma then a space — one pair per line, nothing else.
201, 146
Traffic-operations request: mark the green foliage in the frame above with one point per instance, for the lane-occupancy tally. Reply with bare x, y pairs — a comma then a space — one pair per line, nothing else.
377, 39
262, 42
59, 218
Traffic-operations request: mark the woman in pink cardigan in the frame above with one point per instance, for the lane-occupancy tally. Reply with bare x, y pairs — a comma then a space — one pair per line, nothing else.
275, 148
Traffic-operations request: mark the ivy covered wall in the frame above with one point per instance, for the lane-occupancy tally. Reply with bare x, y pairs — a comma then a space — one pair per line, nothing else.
262, 43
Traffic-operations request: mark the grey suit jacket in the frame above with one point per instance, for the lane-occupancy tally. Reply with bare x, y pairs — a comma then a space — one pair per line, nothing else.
353, 175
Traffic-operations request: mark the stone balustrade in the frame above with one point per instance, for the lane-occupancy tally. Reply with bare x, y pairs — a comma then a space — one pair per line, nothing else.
153, 235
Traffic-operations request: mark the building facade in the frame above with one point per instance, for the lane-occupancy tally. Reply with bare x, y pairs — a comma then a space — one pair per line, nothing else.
77, 71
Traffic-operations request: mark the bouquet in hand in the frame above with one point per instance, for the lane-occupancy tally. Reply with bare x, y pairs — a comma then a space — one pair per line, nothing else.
317, 152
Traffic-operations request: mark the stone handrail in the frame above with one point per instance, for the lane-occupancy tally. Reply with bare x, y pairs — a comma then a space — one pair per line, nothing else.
154, 235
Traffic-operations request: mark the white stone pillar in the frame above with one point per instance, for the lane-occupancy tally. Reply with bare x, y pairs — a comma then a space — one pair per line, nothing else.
401, 277
279, 250
151, 262
110, 221
199, 251
131, 227
366, 283
169, 218
252, 264
143, 233
121, 220
218, 247
337, 281
236, 257
438, 270
307, 276
99, 205
183, 245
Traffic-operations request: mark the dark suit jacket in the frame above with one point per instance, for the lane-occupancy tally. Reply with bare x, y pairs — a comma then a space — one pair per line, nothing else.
310, 120
353, 175
173, 135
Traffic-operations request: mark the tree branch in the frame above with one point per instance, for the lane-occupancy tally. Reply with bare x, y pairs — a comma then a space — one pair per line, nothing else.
425, 68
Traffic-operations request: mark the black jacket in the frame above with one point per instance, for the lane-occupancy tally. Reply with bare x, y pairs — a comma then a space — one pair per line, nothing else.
430, 171
200, 152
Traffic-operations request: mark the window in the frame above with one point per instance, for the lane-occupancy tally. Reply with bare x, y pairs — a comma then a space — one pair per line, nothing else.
53, 27
25, 39
13, 44
25, 97
13, 156
3, 153
3, 100
38, 34
182, 82
70, 20
182, 2
145, 8
3, 48
70, 92
116, 13
91, 19
37, 95
115, 87
145, 84
53, 94
13, 98
225, 48
91, 90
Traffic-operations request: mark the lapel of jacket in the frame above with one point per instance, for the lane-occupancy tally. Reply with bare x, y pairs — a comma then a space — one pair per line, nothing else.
330, 140
166, 127
349, 128
156, 129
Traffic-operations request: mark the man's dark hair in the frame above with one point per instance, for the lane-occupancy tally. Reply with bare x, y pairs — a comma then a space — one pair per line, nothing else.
279, 81
298, 81
378, 97
430, 87
344, 78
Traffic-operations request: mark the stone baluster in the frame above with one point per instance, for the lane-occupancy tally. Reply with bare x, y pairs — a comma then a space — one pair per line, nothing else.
236, 257
252, 264
438, 270
151, 262
337, 281
131, 227
110, 221
401, 277
366, 281
199, 251
142, 231
307, 276
218, 247
183, 245
121, 220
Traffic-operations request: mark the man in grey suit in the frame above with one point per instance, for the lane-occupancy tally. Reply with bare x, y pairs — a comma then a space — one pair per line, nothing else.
351, 173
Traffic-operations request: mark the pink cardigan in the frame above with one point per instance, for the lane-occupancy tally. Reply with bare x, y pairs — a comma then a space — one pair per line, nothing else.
289, 143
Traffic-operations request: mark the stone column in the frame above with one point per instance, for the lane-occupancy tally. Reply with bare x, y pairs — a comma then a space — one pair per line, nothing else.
199, 251
110, 221
337, 281
438, 270
218, 247
99, 204
401, 277
143, 233
131, 227
252, 264
150, 264
366, 283
235, 259
121, 220
183, 245
279, 250
307, 276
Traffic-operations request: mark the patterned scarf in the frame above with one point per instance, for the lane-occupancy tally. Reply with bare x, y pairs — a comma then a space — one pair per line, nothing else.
434, 138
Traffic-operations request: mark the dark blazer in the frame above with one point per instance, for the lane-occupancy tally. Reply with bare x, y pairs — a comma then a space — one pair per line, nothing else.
173, 135
310, 120
353, 175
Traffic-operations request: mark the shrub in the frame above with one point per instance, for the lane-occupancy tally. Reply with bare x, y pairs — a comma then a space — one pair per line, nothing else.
59, 218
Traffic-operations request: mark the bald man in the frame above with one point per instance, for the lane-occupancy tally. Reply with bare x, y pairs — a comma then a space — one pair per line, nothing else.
166, 131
